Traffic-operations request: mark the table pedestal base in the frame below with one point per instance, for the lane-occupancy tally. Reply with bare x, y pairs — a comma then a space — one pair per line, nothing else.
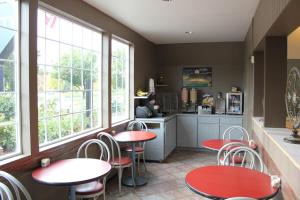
139, 181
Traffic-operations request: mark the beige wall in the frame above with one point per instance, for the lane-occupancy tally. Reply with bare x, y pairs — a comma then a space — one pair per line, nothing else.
294, 44
226, 60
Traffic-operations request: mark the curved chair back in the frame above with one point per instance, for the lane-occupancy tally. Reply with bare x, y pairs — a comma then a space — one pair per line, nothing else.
225, 149
104, 150
114, 145
16, 185
237, 131
137, 126
5, 193
248, 158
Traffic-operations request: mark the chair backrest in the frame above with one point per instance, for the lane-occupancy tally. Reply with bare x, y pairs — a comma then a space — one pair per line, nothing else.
5, 193
237, 131
16, 185
226, 148
113, 145
104, 150
136, 126
247, 156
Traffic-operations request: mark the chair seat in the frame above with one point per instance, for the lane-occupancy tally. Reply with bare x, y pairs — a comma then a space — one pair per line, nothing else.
137, 149
123, 161
89, 188
237, 159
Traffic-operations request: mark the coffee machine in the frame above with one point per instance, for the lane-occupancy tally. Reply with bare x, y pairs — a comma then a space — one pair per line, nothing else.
189, 100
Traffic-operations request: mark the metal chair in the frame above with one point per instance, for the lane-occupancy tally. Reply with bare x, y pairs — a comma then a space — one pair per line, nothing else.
5, 192
234, 130
117, 161
139, 148
95, 188
225, 149
248, 158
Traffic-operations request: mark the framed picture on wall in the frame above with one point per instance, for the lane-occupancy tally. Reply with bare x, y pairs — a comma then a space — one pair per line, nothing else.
197, 77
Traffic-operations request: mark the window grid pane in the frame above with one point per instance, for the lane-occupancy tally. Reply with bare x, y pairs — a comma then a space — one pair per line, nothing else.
120, 81
9, 68
68, 87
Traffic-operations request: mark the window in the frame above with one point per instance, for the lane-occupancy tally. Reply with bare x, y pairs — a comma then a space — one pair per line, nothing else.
69, 78
9, 88
120, 81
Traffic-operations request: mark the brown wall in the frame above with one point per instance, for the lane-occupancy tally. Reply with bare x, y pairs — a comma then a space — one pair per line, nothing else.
272, 18
144, 62
266, 14
226, 60
145, 57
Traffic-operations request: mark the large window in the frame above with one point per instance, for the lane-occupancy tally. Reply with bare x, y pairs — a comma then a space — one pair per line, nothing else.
9, 68
120, 81
69, 78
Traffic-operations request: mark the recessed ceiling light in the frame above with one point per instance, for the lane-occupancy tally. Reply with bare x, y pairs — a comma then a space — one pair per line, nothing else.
188, 32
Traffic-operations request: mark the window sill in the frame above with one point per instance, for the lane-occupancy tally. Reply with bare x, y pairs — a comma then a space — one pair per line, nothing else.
120, 123
13, 159
72, 139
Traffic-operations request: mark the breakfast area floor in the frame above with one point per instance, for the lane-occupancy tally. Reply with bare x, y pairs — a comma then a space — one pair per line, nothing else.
166, 181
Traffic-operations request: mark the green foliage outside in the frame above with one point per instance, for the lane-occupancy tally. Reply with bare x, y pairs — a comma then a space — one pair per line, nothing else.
7, 108
82, 78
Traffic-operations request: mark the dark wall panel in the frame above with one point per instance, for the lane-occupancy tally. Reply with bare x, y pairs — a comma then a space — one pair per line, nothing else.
226, 60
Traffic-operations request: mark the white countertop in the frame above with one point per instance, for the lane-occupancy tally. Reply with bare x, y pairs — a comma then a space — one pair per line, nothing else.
170, 116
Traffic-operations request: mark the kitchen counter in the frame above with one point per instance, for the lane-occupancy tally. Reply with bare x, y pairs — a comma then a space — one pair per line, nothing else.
171, 116
158, 119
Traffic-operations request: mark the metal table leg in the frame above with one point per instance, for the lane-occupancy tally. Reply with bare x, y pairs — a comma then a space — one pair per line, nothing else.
72, 193
138, 180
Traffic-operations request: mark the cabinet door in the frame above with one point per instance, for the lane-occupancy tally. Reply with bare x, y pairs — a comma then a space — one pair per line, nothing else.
186, 131
207, 132
228, 122
155, 148
170, 136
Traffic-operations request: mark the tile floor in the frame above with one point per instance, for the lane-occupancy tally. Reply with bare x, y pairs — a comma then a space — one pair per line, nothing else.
166, 181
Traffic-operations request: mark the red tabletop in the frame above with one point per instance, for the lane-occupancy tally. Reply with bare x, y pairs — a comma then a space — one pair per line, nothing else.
227, 181
72, 171
218, 143
134, 136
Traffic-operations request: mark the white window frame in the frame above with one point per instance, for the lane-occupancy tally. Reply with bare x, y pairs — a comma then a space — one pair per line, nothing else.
130, 80
19, 144
84, 24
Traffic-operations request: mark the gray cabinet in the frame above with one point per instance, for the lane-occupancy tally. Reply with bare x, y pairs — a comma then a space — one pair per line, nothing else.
170, 136
187, 130
155, 148
226, 122
208, 128
165, 142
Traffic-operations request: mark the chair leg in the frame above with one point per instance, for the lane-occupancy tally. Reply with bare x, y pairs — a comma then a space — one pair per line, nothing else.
132, 176
104, 184
144, 159
138, 164
120, 178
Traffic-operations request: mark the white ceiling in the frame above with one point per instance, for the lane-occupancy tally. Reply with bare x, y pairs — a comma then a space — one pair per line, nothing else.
166, 22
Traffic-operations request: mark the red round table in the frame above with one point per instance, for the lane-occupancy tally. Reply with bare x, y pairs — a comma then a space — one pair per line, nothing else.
221, 182
217, 144
134, 137
71, 172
